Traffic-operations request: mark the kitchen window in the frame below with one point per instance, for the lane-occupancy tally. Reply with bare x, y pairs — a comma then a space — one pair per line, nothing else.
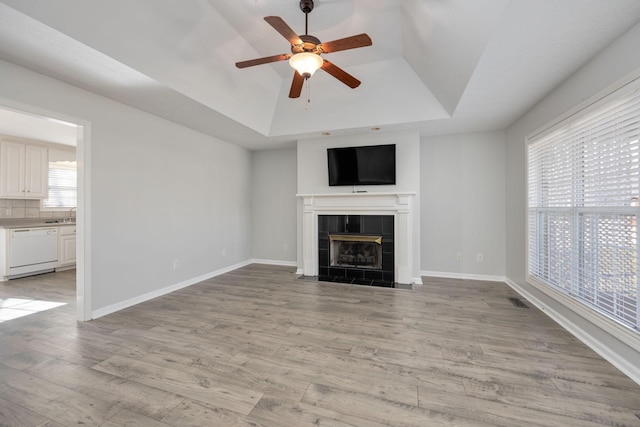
62, 181
583, 194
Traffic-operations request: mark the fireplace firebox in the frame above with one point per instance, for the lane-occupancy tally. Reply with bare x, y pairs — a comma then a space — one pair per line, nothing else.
356, 249
348, 250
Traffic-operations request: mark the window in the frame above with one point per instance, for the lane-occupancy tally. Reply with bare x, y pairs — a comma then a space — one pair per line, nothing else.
583, 190
62, 181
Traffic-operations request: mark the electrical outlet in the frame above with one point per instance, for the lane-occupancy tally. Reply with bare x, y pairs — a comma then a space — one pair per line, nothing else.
285, 246
459, 256
176, 264
480, 257
8, 212
224, 252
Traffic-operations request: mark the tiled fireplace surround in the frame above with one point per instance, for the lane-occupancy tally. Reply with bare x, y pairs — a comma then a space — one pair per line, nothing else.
356, 249
398, 205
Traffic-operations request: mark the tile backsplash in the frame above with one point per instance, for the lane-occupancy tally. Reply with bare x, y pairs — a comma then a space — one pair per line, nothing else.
17, 208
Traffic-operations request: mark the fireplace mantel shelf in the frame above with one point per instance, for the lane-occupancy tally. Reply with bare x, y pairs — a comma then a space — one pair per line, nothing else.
359, 194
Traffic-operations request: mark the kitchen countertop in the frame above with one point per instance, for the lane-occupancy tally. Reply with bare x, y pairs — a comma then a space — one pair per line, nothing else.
32, 222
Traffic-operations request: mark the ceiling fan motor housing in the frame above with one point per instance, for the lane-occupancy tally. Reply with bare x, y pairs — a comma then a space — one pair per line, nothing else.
309, 44
306, 5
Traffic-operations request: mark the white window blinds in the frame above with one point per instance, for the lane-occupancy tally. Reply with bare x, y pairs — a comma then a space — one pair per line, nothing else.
62, 185
583, 189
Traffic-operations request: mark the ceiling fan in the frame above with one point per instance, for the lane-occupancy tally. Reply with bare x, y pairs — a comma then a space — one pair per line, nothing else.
305, 53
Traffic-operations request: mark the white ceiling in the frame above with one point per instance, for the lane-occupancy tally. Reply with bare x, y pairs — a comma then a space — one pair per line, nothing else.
20, 124
438, 66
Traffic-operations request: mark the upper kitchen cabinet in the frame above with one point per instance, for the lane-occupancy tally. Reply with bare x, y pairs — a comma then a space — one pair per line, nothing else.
23, 170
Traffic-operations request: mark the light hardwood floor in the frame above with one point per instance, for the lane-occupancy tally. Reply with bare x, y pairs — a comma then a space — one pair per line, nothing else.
260, 347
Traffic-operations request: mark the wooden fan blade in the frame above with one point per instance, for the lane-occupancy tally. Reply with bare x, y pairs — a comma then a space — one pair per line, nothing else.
265, 60
280, 26
360, 40
340, 74
296, 85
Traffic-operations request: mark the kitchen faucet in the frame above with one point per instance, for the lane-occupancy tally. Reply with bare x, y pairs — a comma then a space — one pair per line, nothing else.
70, 211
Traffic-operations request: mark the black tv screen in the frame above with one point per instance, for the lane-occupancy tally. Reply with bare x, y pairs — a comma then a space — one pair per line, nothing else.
367, 165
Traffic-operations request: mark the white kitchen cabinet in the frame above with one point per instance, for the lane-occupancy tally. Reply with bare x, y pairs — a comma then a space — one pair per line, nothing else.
66, 247
23, 170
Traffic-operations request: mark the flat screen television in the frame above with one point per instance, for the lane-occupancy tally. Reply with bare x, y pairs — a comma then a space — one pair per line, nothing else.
367, 165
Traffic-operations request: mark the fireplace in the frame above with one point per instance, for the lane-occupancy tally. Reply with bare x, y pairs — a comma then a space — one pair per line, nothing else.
400, 250
356, 249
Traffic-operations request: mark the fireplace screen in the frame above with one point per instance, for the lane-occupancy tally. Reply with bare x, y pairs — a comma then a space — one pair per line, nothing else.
355, 251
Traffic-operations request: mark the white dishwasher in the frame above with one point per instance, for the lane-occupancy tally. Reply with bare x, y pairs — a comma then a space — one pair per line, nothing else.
33, 250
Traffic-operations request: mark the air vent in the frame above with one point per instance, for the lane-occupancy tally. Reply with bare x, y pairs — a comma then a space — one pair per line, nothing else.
518, 302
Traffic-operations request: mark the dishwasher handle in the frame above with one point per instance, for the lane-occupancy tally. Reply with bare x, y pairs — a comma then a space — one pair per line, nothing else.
34, 232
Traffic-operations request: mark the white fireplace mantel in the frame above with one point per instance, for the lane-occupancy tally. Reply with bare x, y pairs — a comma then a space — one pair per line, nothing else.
400, 205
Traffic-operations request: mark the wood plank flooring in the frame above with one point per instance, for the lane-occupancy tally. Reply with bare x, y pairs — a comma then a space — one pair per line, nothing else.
261, 347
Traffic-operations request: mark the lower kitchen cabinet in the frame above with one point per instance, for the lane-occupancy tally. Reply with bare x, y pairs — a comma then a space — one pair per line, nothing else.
66, 247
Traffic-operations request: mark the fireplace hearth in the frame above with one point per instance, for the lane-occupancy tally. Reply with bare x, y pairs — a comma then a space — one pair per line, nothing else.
356, 249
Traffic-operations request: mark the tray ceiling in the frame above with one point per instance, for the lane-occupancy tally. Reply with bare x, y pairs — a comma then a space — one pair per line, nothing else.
436, 66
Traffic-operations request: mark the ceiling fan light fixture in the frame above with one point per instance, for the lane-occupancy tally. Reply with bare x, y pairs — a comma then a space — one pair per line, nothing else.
306, 63
306, 50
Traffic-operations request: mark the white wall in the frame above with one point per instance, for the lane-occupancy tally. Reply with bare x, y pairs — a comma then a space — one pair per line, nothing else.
463, 205
273, 219
618, 60
313, 175
612, 64
160, 192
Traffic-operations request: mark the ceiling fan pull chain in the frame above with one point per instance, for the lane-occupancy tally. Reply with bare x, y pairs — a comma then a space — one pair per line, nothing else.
306, 106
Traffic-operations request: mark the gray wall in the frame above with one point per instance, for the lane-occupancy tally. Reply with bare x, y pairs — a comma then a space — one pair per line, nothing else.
160, 192
612, 64
273, 200
462, 182
463, 204
616, 62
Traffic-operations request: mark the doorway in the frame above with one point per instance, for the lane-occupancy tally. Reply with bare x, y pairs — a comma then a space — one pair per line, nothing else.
25, 120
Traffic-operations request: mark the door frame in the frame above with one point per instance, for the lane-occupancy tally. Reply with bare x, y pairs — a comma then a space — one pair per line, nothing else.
83, 211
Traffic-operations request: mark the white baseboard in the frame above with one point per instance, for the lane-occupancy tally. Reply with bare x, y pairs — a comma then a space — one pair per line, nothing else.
586, 332
465, 276
274, 262
172, 288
